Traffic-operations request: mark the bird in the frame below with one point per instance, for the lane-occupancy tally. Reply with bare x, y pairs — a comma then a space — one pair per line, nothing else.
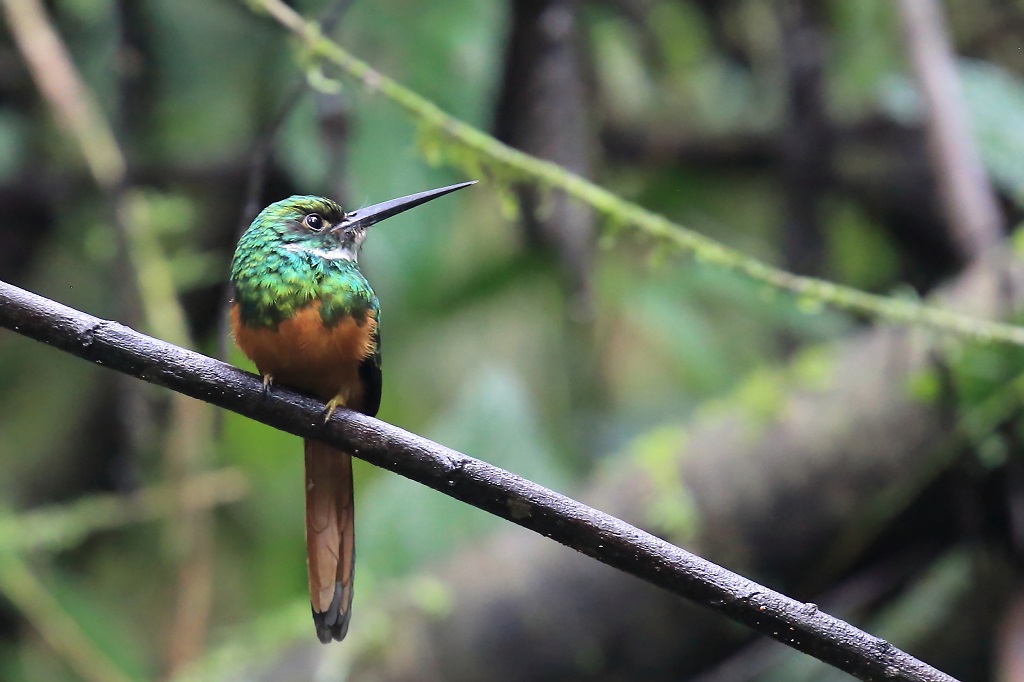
303, 312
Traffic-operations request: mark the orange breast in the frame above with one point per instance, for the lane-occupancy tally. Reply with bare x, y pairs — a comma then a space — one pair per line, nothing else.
303, 353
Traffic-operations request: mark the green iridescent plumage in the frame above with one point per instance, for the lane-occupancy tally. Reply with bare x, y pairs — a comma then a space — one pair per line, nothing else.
281, 266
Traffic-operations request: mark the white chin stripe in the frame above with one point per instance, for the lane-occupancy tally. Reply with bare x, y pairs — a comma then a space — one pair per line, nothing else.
337, 253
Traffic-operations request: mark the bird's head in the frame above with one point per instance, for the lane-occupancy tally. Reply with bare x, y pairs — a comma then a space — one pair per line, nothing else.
306, 224
319, 226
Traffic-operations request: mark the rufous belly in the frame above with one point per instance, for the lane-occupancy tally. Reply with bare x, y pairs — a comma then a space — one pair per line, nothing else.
303, 353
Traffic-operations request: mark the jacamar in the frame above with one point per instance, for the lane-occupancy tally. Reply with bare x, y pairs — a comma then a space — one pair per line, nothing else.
303, 312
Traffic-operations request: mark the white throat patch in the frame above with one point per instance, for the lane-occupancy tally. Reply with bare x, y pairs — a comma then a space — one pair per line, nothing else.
337, 253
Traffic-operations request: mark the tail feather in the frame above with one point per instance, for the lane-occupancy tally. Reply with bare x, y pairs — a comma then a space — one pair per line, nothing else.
330, 538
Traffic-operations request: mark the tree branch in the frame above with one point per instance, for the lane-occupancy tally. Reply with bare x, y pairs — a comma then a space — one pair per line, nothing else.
974, 216
62, 526
486, 487
53, 70
74, 104
448, 138
842, 465
27, 591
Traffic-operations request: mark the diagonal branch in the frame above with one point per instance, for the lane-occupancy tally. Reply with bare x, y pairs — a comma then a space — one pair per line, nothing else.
478, 152
27, 591
587, 530
74, 105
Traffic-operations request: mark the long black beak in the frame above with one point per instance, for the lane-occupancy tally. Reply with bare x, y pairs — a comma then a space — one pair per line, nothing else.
365, 217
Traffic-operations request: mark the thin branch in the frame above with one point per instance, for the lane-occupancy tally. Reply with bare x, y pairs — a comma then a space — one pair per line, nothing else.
262, 150
75, 106
807, 139
63, 526
587, 530
23, 587
478, 152
971, 209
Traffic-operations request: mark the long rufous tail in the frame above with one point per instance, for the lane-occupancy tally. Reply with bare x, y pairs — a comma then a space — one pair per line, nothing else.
330, 538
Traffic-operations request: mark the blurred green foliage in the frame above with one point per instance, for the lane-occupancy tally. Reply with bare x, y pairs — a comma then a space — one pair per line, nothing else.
474, 331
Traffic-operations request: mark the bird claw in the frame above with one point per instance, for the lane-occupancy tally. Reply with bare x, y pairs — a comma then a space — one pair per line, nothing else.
332, 405
268, 381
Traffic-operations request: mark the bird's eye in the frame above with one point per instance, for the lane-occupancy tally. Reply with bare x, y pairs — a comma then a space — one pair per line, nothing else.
313, 222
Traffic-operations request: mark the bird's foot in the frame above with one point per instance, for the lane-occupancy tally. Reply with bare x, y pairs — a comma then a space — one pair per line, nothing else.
332, 405
268, 381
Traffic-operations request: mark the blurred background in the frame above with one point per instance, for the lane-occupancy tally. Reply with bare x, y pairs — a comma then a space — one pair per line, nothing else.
875, 471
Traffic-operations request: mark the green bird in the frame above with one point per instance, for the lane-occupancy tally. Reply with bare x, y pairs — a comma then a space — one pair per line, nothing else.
304, 313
